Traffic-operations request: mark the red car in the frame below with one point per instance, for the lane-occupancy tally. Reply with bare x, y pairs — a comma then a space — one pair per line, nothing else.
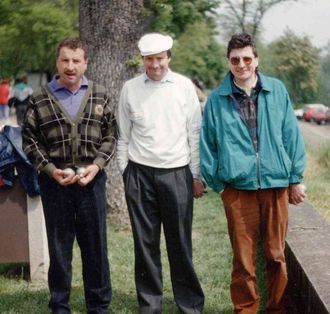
318, 113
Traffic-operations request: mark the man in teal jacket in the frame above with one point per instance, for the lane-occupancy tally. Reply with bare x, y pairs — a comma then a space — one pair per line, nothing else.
253, 154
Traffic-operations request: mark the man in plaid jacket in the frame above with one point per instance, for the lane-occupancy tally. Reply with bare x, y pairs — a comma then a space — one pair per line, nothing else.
69, 125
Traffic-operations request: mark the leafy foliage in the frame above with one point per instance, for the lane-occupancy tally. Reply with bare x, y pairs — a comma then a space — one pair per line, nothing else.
325, 76
172, 16
294, 60
31, 29
191, 22
29, 34
198, 55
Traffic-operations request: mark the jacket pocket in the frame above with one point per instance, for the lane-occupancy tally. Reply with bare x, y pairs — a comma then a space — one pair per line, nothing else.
277, 165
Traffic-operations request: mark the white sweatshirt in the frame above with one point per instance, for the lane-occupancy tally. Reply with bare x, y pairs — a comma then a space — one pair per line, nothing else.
159, 123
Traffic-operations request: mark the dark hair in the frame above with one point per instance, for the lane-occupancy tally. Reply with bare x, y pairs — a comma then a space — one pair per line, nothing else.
72, 43
21, 79
241, 40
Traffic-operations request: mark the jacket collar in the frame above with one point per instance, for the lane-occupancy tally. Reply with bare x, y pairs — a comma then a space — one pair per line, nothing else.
226, 88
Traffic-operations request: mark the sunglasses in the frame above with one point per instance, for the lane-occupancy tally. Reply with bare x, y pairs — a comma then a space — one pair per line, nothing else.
237, 60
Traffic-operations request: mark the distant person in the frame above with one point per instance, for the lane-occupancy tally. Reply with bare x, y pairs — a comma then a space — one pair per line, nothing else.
21, 94
69, 136
158, 154
4, 100
253, 154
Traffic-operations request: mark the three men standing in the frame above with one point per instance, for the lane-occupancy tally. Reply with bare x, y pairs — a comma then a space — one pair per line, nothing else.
68, 126
251, 151
158, 154
253, 154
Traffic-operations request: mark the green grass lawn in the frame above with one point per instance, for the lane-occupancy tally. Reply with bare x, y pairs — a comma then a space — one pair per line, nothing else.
317, 180
212, 258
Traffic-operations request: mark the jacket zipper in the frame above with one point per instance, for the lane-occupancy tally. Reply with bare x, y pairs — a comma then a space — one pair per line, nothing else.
255, 147
258, 170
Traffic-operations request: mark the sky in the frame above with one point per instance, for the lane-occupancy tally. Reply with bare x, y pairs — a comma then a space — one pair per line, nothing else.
304, 17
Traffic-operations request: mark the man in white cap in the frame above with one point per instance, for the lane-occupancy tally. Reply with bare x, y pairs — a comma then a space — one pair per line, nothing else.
158, 154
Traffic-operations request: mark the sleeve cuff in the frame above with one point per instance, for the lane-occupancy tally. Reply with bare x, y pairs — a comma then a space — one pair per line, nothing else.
49, 169
196, 177
295, 179
100, 162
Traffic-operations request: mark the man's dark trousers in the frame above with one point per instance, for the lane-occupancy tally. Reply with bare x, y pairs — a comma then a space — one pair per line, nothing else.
75, 211
154, 197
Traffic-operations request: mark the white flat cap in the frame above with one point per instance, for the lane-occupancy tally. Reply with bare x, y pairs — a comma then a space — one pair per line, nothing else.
153, 43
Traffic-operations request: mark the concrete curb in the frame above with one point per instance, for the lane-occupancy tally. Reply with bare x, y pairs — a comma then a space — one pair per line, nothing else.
308, 256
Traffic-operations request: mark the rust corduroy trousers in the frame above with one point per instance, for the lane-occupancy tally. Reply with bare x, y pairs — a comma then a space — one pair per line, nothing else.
254, 215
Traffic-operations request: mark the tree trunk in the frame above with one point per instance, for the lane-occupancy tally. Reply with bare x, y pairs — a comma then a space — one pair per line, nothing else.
111, 29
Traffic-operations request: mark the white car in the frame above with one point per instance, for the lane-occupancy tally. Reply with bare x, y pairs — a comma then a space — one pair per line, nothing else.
299, 113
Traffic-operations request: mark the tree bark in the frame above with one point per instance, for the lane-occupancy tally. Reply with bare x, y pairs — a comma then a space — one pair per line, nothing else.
111, 29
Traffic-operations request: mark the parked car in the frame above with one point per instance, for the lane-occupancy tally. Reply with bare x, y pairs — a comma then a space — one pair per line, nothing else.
318, 113
322, 116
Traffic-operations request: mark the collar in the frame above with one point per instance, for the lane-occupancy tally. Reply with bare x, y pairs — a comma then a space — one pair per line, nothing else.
56, 86
226, 87
169, 77
240, 90
247, 90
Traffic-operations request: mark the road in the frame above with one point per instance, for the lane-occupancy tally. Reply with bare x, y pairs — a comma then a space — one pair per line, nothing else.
315, 135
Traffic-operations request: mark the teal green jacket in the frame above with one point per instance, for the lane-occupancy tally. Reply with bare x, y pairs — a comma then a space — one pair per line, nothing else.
226, 149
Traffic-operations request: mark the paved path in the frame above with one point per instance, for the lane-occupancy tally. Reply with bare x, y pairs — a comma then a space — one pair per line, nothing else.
315, 135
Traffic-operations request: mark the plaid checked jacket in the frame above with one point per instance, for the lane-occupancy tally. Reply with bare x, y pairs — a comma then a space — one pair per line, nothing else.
51, 138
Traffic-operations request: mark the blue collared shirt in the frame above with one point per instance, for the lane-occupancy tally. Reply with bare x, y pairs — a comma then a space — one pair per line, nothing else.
70, 101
